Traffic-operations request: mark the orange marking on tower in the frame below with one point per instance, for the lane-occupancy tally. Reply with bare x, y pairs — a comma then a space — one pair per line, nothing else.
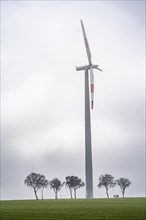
92, 88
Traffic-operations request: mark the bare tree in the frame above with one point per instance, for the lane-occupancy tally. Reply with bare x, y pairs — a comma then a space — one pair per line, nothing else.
78, 183
106, 181
74, 183
123, 183
56, 185
44, 185
69, 184
35, 181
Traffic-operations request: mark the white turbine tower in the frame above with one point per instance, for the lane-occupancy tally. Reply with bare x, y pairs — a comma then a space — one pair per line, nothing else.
88, 147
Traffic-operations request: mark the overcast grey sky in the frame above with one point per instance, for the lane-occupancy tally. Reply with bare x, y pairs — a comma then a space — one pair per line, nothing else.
43, 94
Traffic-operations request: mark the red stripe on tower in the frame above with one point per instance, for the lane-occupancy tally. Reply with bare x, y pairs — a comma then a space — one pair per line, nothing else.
92, 88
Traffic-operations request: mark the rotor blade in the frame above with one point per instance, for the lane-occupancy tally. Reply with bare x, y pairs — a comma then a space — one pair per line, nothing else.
86, 44
92, 87
99, 69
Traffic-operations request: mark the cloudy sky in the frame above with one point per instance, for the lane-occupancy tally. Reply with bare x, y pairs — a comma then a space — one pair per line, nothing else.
43, 94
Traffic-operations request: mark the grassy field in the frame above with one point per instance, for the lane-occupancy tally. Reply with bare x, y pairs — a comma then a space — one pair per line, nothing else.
67, 209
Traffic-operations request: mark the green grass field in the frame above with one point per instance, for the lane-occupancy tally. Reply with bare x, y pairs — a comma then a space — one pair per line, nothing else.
67, 209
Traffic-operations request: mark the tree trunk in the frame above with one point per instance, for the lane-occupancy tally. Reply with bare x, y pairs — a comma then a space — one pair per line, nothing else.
123, 193
107, 193
35, 192
71, 193
75, 193
56, 195
42, 193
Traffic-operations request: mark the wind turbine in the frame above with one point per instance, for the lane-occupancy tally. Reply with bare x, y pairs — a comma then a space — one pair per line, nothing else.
88, 145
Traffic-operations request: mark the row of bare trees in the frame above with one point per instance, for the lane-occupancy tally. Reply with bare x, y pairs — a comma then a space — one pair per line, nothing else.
108, 182
39, 182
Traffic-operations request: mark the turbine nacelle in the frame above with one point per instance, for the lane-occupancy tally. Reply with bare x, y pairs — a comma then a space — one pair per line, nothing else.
88, 67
